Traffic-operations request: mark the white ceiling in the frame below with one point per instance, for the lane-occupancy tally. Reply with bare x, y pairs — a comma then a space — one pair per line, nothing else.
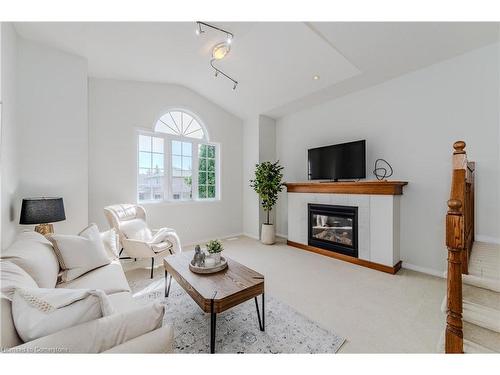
274, 62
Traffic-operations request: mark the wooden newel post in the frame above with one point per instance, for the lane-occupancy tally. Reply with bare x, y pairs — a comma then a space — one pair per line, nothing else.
457, 218
459, 241
454, 243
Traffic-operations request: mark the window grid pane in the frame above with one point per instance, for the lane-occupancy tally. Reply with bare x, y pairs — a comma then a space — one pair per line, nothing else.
182, 170
151, 169
207, 172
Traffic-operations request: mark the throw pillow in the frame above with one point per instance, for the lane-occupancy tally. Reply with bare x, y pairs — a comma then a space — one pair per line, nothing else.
136, 229
79, 254
111, 244
39, 312
102, 334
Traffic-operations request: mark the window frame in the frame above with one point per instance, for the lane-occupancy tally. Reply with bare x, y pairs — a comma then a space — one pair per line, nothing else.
167, 162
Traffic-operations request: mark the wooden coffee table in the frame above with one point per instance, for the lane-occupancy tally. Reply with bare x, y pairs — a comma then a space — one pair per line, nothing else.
218, 292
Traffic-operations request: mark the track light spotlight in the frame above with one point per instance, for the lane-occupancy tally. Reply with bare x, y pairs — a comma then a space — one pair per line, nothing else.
198, 31
234, 86
216, 73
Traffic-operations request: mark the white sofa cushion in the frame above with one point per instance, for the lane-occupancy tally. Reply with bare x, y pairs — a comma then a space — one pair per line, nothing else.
79, 254
39, 312
8, 333
12, 276
160, 340
123, 302
33, 253
101, 334
109, 278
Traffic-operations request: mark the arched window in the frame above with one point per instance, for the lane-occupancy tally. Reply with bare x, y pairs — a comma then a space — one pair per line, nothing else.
180, 123
176, 161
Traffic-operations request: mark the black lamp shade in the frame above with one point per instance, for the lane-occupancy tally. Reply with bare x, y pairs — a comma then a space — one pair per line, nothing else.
42, 211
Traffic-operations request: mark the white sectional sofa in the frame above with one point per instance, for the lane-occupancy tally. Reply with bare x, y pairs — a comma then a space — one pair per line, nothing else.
135, 327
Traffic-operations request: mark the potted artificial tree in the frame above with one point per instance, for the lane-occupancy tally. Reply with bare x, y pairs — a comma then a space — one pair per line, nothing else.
267, 185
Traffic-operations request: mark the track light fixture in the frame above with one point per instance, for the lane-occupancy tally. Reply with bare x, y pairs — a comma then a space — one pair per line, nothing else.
217, 71
220, 50
199, 30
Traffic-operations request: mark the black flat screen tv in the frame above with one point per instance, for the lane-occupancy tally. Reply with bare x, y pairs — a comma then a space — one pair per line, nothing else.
335, 162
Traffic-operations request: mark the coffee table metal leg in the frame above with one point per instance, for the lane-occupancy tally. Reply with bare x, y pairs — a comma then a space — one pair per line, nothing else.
213, 321
168, 281
262, 324
263, 314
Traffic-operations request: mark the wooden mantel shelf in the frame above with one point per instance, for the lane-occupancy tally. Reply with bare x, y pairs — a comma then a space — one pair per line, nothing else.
359, 187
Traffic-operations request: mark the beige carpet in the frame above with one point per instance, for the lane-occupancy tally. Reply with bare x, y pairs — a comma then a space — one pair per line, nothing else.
375, 311
238, 331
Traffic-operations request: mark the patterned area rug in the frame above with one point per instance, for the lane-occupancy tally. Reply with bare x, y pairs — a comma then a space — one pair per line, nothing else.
287, 331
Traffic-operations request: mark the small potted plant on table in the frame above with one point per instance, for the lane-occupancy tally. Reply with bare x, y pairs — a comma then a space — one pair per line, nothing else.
214, 247
267, 185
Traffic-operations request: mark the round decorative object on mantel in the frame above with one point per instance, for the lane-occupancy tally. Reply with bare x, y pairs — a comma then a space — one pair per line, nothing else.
383, 169
207, 270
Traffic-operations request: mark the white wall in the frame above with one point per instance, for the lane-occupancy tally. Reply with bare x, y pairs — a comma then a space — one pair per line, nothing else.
267, 152
116, 110
53, 130
260, 145
250, 159
8, 149
412, 121
267, 139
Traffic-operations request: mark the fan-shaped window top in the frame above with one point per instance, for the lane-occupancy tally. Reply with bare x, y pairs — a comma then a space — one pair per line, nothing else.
180, 123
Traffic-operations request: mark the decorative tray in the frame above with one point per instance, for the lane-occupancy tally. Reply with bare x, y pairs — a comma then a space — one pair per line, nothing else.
218, 267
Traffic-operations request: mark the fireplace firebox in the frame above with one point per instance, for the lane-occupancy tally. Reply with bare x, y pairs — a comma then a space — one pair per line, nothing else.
333, 228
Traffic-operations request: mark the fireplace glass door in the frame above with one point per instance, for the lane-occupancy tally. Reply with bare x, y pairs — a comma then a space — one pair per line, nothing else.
333, 228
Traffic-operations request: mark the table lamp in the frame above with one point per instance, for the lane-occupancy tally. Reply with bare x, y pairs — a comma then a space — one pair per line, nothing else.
43, 212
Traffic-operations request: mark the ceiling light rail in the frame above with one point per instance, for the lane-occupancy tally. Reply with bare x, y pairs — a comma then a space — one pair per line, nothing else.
220, 50
217, 71
199, 30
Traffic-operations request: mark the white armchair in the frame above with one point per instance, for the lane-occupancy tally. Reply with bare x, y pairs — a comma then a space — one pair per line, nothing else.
136, 238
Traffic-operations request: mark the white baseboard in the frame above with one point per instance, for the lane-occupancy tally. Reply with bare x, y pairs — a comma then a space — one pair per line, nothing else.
251, 236
489, 239
284, 236
223, 237
428, 271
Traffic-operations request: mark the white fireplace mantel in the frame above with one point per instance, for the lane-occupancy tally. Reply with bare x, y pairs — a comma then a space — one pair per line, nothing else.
378, 225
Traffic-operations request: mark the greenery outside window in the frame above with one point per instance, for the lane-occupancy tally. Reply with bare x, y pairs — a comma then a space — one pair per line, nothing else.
207, 183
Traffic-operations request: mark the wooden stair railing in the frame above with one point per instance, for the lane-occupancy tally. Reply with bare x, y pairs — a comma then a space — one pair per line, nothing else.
459, 239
